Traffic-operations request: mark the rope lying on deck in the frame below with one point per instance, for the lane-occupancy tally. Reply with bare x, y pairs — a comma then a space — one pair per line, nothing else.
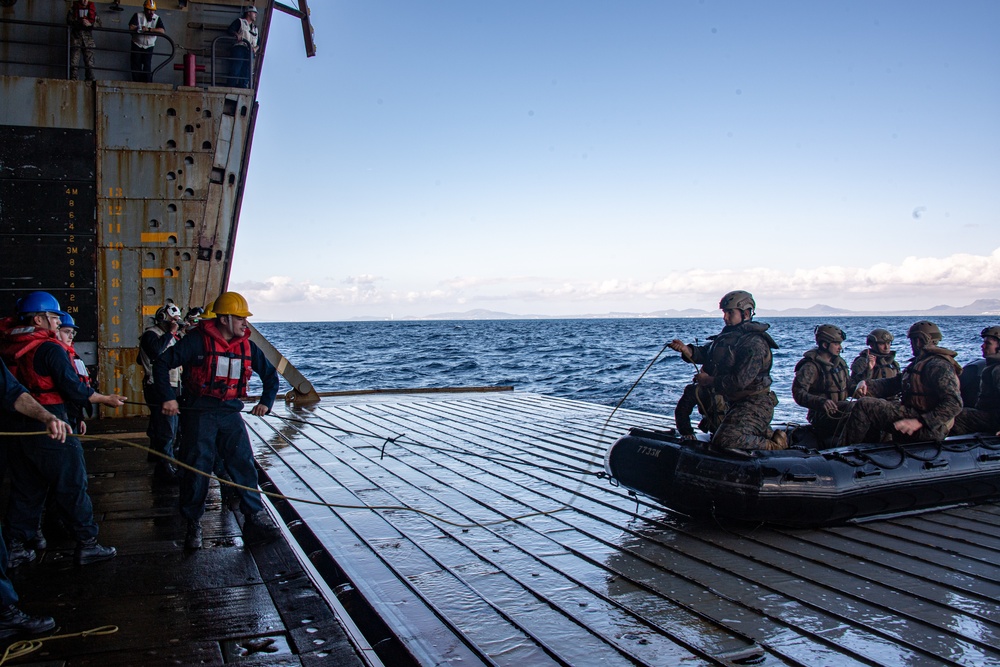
19, 649
307, 501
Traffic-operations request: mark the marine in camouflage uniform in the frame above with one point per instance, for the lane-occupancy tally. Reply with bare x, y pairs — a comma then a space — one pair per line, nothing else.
930, 394
711, 406
822, 383
878, 361
740, 358
82, 17
985, 416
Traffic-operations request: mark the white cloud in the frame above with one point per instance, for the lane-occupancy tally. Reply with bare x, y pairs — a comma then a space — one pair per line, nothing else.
931, 280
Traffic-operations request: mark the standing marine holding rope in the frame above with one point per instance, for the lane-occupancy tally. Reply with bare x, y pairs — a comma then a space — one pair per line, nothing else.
219, 360
739, 361
931, 398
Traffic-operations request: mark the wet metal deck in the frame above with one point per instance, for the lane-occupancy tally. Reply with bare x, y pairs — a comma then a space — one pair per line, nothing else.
592, 584
221, 604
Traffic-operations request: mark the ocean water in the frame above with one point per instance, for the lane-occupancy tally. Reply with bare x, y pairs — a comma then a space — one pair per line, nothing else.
594, 360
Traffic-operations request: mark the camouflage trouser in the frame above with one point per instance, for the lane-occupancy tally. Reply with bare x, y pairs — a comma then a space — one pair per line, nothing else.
971, 420
869, 412
707, 401
82, 42
831, 429
747, 423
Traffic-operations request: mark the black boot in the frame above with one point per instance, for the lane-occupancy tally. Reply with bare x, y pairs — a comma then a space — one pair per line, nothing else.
165, 473
89, 551
192, 540
13, 622
38, 542
259, 529
18, 553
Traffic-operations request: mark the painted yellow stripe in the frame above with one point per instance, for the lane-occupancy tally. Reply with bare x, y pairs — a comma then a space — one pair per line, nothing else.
156, 237
156, 273
150, 310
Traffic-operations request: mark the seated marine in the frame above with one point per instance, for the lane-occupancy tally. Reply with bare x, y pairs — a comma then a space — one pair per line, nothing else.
985, 416
930, 394
876, 362
822, 383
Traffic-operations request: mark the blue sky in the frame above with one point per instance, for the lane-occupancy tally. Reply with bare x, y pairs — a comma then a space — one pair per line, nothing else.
571, 157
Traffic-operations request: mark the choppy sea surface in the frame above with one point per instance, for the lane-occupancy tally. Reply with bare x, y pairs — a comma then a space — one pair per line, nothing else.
594, 360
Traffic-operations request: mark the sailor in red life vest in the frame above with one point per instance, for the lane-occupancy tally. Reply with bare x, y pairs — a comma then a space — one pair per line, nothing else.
15, 398
66, 335
218, 360
42, 364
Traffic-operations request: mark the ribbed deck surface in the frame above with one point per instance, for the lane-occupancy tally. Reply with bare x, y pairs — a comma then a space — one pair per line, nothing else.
592, 583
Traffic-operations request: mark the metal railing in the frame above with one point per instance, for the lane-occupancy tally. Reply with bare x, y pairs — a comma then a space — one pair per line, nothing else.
45, 49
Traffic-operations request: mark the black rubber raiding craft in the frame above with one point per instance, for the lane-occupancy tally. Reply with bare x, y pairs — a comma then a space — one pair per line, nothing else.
802, 486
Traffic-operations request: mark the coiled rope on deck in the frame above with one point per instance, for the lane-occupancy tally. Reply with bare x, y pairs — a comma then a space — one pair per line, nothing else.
23, 647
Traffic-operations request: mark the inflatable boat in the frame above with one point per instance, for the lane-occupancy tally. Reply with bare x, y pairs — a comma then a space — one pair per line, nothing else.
803, 486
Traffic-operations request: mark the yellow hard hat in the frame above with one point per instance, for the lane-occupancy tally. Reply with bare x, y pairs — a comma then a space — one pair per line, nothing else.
209, 313
231, 303
150, 5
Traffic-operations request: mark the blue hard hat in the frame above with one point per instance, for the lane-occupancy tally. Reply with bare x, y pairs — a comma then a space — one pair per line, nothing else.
66, 320
39, 302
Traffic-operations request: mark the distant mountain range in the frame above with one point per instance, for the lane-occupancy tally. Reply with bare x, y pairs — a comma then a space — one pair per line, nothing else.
980, 307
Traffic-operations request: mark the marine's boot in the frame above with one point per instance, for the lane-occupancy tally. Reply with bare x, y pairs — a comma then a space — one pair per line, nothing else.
14, 622
89, 551
192, 540
259, 529
18, 553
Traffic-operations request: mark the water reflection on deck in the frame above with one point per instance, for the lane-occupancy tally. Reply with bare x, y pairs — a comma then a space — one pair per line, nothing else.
592, 583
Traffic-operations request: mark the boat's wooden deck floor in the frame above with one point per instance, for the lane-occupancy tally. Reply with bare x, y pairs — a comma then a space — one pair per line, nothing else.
591, 583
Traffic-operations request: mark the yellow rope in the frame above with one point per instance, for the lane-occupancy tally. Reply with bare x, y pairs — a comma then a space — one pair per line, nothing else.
19, 649
307, 501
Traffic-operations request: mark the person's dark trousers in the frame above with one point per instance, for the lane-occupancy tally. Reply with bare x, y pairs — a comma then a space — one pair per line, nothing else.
162, 429
37, 464
142, 63
211, 430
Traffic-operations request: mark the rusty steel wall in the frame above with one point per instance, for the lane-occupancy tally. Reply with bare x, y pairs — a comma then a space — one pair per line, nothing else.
168, 172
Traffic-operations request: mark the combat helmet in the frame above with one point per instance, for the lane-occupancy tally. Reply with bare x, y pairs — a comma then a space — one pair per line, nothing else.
738, 300
925, 329
878, 336
992, 332
828, 333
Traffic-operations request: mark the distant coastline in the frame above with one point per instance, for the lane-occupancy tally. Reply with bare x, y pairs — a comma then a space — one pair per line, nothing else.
978, 308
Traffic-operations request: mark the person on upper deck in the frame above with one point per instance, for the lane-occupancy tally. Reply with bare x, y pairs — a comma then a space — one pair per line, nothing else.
822, 382
82, 17
877, 361
930, 394
245, 50
219, 360
739, 358
145, 26
984, 417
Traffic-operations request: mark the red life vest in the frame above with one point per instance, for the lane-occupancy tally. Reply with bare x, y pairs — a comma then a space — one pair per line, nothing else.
81, 368
225, 370
18, 348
